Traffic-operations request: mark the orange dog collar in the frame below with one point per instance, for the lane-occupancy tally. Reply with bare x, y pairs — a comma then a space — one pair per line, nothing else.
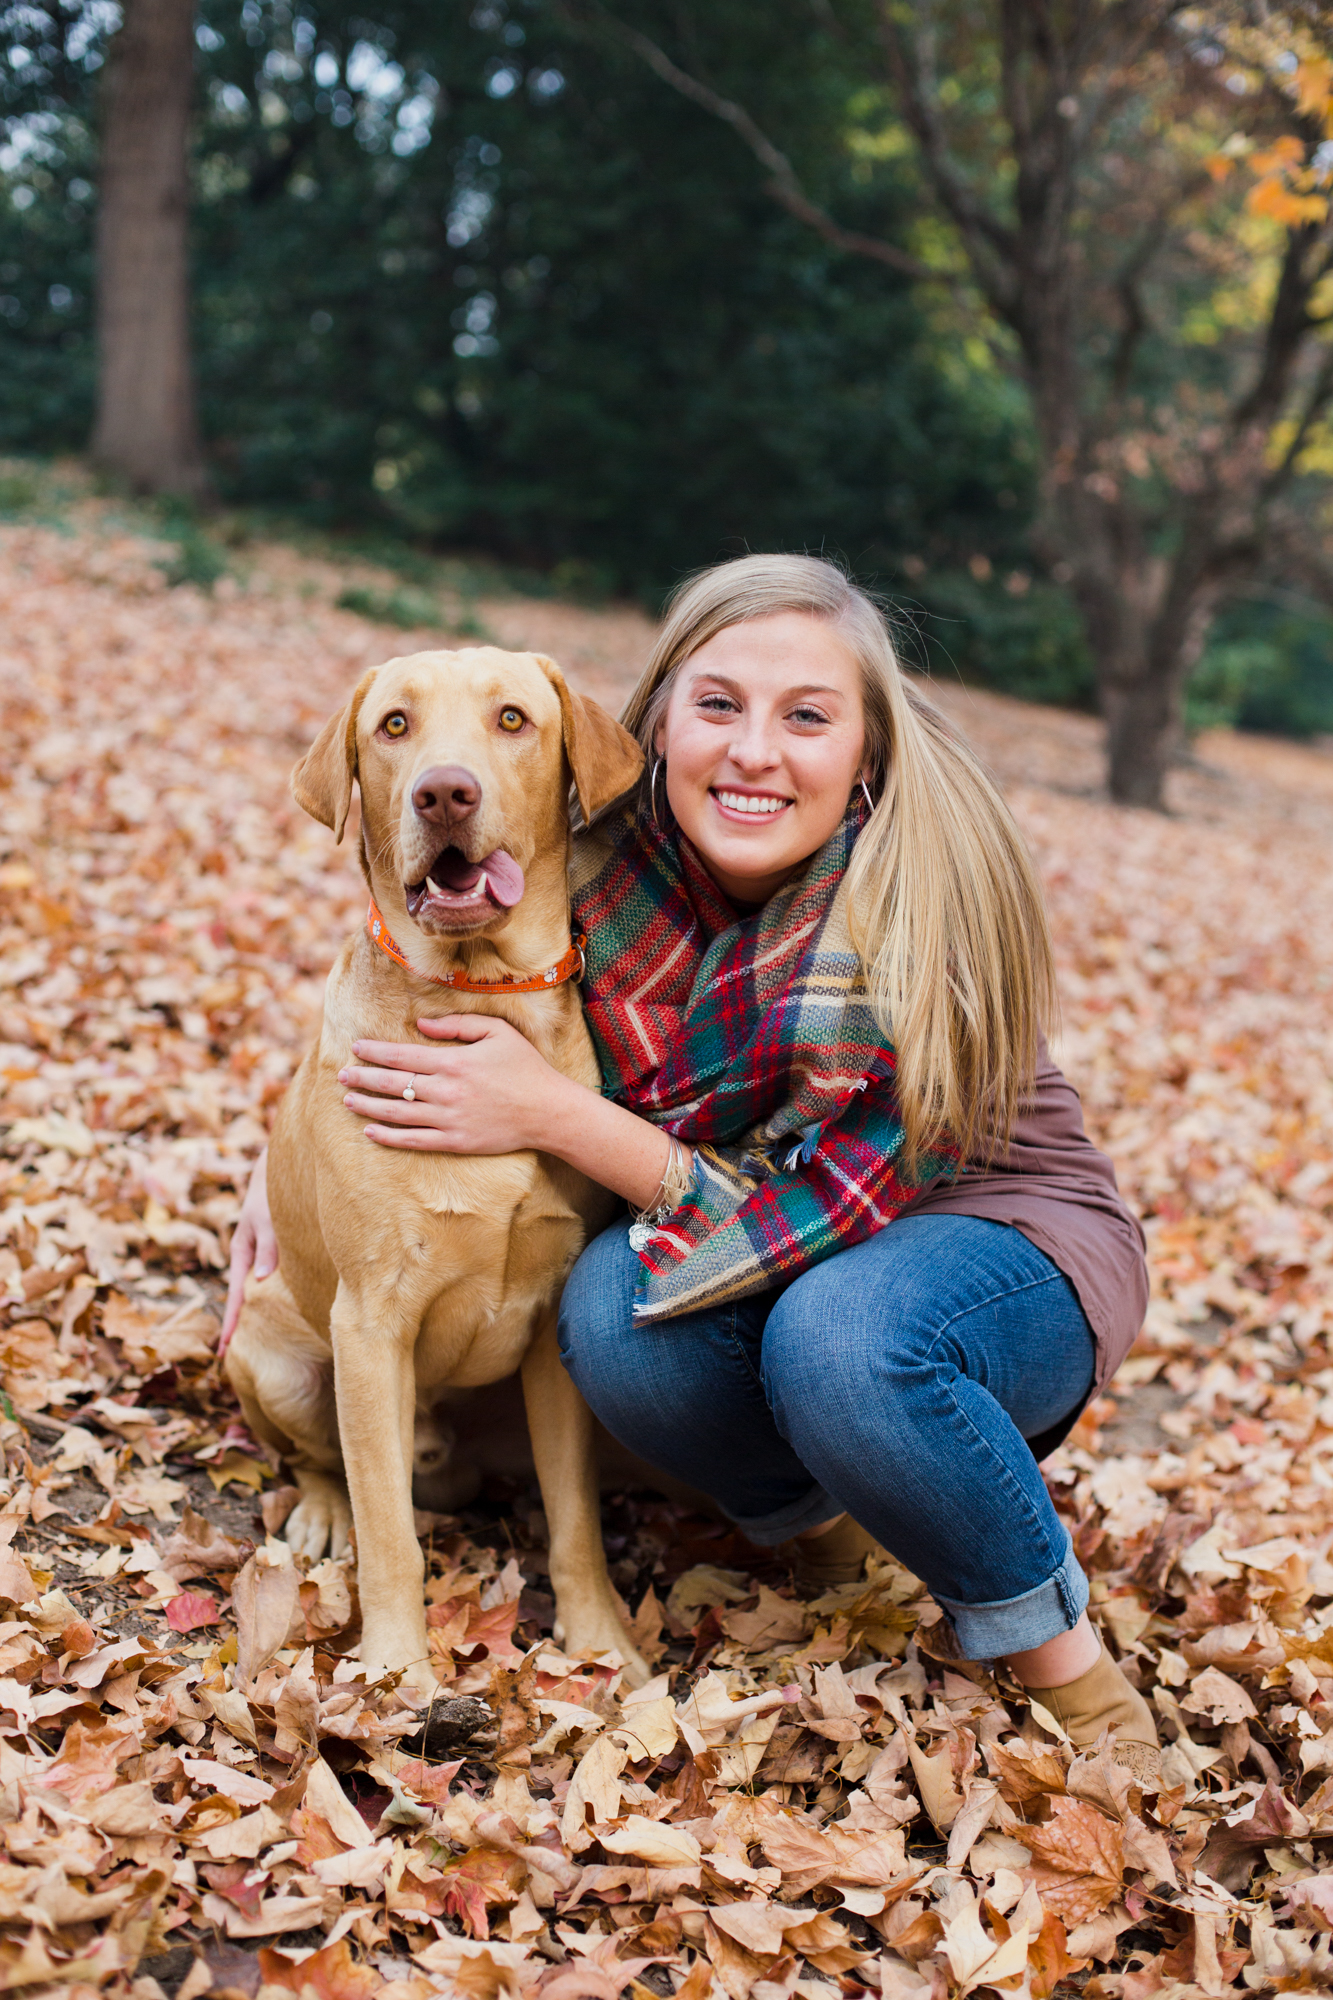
571, 966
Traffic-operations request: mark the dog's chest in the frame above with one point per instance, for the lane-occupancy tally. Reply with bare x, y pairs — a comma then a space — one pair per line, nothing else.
494, 1268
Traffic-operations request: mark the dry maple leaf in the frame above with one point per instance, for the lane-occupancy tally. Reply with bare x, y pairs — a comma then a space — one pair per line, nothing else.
331, 1974
1078, 1860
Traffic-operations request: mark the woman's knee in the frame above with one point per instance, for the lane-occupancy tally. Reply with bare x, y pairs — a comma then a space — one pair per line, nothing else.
830, 1333
932, 1307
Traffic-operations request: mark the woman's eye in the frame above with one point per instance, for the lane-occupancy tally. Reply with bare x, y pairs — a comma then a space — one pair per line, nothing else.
512, 719
395, 724
717, 704
810, 717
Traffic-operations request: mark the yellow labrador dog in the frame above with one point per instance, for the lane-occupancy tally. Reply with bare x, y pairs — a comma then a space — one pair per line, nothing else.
403, 1275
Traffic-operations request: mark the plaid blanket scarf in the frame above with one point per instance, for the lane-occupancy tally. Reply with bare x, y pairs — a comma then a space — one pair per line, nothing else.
751, 1040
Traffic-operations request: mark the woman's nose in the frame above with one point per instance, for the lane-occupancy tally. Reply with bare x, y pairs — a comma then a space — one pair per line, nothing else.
753, 747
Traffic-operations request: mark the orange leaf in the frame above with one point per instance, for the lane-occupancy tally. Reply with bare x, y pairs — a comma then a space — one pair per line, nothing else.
86, 1765
1286, 152
316, 1840
331, 1974
467, 1902
431, 1782
1048, 1959
510, 1696
1314, 85
494, 1629
1272, 199
1078, 1860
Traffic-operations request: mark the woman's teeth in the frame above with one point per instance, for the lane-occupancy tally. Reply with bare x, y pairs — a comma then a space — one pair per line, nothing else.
745, 802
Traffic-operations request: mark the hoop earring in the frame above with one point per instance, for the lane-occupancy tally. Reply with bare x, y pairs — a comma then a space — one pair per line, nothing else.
866, 791
652, 789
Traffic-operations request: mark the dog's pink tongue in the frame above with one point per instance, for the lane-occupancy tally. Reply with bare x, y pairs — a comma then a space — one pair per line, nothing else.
504, 878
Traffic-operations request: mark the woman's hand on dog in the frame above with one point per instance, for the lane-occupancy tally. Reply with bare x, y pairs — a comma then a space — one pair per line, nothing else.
487, 1090
253, 1246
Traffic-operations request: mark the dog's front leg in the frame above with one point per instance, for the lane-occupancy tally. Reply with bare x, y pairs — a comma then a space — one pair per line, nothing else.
374, 1344
560, 1425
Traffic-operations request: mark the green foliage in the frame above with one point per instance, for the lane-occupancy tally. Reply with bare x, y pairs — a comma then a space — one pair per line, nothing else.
1019, 636
481, 279
478, 280
409, 608
405, 607
19, 491
197, 559
1230, 672
1268, 666
46, 216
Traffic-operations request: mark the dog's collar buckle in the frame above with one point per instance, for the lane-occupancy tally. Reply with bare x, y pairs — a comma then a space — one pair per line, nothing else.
572, 966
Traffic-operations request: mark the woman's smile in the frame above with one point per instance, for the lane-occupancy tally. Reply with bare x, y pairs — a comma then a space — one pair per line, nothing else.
748, 805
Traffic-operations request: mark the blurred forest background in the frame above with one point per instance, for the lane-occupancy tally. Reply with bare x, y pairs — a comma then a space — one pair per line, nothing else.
1021, 310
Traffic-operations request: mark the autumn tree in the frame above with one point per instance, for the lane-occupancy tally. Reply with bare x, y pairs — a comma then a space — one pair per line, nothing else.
1133, 203
146, 431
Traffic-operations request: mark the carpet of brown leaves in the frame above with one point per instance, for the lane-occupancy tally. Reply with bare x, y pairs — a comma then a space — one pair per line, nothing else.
198, 1791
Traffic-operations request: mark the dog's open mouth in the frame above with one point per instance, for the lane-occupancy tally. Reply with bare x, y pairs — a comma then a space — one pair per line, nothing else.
458, 890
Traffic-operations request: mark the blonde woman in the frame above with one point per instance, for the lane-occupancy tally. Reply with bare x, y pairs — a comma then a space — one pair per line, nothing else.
876, 1268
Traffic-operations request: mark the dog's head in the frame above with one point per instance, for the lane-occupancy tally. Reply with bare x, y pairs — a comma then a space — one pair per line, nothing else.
464, 762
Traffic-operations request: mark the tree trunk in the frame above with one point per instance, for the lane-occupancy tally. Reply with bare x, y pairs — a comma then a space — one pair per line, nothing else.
146, 432
1145, 623
1141, 738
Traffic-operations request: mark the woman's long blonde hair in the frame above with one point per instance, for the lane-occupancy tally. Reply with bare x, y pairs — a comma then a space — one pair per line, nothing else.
947, 913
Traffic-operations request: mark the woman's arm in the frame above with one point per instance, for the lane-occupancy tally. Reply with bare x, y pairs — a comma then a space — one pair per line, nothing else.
252, 1243
487, 1090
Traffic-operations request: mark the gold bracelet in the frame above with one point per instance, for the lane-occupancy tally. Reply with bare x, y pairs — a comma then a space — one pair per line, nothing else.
675, 1184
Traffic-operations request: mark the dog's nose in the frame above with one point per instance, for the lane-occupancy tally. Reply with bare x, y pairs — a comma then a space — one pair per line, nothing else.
447, 795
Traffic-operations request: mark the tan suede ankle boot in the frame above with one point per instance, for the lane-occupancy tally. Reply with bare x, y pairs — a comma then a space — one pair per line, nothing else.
1103, 1699
830, 1559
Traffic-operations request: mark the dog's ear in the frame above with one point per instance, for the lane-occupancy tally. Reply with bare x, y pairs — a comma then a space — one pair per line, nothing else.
322, 781
603, 757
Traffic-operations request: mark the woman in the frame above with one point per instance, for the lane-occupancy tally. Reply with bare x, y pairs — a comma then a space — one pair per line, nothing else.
818, 964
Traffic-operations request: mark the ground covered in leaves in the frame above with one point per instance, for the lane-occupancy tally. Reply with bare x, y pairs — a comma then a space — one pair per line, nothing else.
198, 1791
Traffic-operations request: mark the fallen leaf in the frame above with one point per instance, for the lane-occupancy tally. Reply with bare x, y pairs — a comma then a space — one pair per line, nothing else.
266, 1596
330, 1974
655, 1841
1078, 1860
190, 1610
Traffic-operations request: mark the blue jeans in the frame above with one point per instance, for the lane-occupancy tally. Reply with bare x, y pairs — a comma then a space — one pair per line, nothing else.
899, 1380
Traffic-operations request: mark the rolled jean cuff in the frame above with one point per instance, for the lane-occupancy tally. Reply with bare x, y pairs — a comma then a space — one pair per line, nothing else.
767, 1530
1014, 1624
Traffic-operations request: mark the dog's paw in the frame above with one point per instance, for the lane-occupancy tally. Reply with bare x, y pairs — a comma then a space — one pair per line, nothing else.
404, 1656
321, 1520
602, 1632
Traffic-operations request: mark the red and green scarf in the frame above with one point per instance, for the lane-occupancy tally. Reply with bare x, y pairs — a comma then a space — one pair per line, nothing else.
751, 1039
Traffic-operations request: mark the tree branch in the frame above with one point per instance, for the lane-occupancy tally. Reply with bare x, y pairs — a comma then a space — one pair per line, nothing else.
1132, 271
783, 184
1136, 325
1321, 390
1289, 322
992, 248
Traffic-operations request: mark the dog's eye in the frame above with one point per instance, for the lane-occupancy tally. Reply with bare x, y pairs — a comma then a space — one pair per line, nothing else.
395, 724
512, 719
